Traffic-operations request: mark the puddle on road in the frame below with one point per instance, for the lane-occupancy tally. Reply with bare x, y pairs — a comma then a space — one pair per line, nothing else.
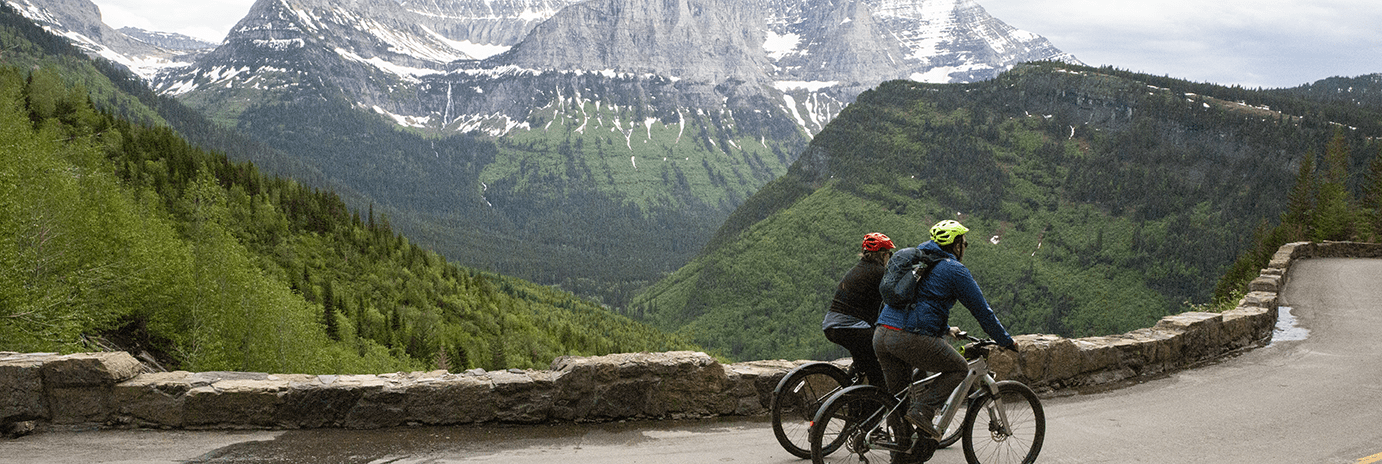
684, 433
1286, 329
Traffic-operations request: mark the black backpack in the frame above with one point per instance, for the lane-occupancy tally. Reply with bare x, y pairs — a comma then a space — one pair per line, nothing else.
906, 269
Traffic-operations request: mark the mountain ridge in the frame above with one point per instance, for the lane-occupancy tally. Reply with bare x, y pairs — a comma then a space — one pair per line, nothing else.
407, 45
80, 21
167, 40
1100, 199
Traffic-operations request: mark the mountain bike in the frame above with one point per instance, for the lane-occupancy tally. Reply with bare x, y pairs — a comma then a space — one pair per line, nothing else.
866, 422
800, 394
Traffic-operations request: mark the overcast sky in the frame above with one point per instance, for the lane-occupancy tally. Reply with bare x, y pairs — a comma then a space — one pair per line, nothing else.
1252, 43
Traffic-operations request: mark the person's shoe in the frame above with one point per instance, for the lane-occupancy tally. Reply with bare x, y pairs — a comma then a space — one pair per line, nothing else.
922, 421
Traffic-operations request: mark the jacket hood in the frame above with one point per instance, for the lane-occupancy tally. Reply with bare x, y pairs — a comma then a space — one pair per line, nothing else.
931, 246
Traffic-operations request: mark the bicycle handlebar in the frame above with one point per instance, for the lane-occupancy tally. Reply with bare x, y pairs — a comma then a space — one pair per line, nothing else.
980, 341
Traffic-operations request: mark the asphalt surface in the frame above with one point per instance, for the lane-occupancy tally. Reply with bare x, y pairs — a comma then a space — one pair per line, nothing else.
1312, 396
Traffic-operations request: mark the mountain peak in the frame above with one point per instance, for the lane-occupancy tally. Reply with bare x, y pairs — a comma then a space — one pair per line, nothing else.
167, 40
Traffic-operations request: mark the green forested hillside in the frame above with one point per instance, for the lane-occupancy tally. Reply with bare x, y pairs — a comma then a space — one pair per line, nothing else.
1099, 201
118, 232
599, 184
108, 226
548, 220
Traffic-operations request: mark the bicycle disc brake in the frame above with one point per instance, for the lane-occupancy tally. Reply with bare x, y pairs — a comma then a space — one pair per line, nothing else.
996, 430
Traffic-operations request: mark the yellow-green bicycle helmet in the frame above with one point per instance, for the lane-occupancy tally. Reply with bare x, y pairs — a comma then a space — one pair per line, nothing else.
944, 232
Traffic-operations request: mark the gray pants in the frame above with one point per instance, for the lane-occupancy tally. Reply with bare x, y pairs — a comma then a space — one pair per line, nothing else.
898, 352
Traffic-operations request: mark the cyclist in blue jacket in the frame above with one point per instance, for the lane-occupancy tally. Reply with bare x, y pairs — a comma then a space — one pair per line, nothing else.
907, 338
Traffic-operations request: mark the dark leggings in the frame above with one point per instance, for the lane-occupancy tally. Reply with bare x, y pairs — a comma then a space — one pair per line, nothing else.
898, 352
859, 342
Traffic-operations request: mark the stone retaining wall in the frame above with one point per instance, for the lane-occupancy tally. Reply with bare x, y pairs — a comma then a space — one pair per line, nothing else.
113, 389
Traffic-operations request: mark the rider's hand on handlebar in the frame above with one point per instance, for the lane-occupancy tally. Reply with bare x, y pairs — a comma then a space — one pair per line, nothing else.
956, 332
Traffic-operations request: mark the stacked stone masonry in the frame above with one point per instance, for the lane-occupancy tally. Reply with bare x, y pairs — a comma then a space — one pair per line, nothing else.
115, 390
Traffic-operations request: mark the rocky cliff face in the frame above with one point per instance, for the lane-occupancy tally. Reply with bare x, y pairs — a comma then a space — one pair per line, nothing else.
488, 28
695, 40
810, 55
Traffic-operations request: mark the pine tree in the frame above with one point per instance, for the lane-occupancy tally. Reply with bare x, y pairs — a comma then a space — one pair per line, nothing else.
329, 308
1300, 202
1334, 219
1372, 199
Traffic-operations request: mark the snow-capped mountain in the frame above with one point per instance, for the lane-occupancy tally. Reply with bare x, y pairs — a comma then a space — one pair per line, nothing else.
80, 21
817, 54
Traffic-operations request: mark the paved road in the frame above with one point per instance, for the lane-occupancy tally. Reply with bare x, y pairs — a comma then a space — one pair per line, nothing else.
1311, 400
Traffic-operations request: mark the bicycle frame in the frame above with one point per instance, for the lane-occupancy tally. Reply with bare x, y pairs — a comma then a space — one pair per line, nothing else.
978, 374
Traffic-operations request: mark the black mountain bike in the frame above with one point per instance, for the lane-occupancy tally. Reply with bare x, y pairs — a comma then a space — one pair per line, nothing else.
802, 392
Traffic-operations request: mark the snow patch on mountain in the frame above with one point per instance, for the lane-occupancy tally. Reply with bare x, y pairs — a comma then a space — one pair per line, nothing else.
34, 12
406, 121
471, 49
780, 45
408, 73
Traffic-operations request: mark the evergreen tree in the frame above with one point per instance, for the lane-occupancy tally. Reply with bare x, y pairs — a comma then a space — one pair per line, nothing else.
329, 308
1334, 217
1300, 202
1371, 200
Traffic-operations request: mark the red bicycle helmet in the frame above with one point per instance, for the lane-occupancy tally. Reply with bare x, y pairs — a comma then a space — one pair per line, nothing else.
875, 241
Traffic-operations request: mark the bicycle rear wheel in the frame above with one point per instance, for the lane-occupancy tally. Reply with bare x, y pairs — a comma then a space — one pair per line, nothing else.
991, 443
850, 424
796, 400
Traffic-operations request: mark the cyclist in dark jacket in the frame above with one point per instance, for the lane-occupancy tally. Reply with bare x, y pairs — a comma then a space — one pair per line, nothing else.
912, 338
849, 322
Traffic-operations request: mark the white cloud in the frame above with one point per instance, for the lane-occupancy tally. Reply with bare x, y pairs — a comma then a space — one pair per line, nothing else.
1253, 43
208, 20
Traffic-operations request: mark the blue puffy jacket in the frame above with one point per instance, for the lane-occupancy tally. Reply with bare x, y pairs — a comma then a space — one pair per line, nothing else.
949, 282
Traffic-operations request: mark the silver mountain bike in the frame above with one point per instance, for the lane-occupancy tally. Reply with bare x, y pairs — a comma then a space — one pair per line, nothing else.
1003, 421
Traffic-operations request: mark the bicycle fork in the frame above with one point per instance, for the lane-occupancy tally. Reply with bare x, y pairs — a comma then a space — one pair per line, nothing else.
998, 425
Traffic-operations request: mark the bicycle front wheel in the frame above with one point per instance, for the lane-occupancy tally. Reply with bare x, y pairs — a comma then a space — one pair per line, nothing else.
796, 400
851, 424
987, 440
